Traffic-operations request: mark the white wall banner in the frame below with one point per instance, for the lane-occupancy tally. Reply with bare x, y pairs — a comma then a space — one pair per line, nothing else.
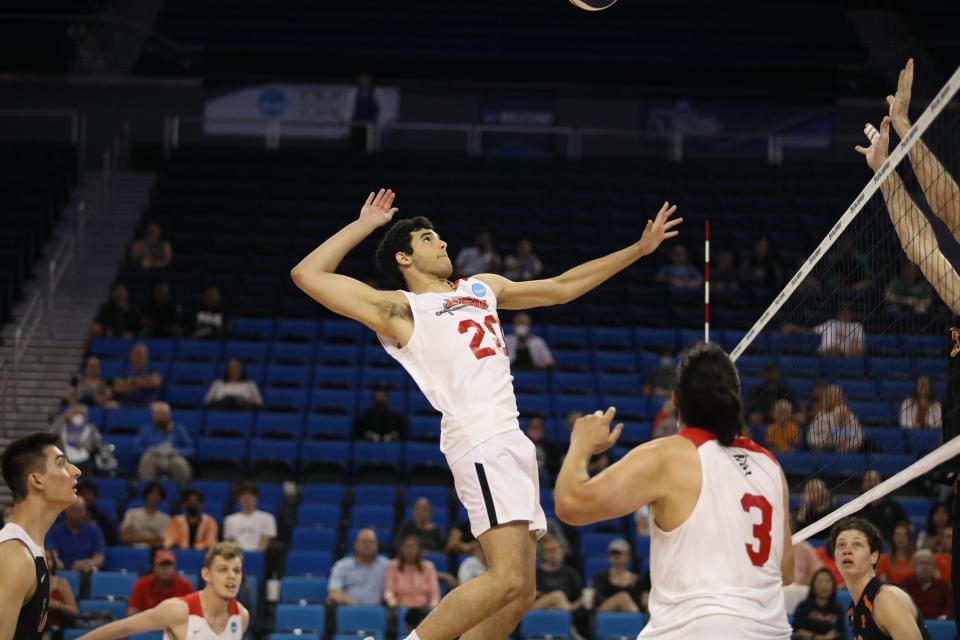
299, 110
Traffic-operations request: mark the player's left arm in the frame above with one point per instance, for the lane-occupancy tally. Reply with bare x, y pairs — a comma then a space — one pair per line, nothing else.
895, 614
244, 617
621, 488
572, 284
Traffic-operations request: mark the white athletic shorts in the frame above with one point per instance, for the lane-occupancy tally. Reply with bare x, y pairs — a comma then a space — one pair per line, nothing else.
498, 482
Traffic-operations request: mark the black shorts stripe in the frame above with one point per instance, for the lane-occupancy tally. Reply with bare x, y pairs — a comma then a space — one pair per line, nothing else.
487, 496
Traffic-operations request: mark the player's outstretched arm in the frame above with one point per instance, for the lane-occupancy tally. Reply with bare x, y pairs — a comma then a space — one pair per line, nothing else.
572, 284
17, 578
913, 229
939, 187
896, 614
344, 295
169, 613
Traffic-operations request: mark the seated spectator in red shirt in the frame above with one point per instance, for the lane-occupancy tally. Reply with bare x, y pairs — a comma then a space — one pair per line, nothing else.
896, 567
931, 594
164, 583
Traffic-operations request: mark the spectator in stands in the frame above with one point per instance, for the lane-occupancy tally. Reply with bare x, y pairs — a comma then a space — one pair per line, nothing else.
662, 379
472, 567
88, 491
558, 584
938, 521
460, 540
80, 438
783, 434
141, 384
152, 251
820, 615
723, 276
77, 542
896, 566
234, 390
420, 525
381, 423
163, 583
115, 319
849, 271
523, 264
61, 605
251, 528
161, 315
680, 275
763, 397
814, 504
944, 559
841, 337
91, 389
146, 526
481, 257
548, 454
618, 588
366, 109
908, 293
665, 423
835, 428
164, 446
931, 594
884, 513
209, 321
921, 409
598, 462
411, 581
527, 351
193, 529
761, 269
359, 579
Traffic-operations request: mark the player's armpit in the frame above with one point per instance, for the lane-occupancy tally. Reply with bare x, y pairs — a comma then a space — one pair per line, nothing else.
16, 581
382, 311
529, 294
895, 614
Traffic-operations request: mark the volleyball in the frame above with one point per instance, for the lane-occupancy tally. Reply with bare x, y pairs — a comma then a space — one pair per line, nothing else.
593, 5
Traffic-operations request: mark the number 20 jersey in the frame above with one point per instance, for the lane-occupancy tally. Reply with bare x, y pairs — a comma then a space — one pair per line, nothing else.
457, 356
724, 560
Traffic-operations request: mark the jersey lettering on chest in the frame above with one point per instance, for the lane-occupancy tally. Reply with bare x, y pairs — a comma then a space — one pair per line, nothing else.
451, 305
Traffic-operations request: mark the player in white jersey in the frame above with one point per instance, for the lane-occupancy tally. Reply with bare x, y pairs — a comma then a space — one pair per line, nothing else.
449, 338
720, 548
212, 613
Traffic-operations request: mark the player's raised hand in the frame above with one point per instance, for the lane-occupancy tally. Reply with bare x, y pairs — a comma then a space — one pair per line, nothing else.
378, 210
900, 103
876, 153
593, 431
659, 229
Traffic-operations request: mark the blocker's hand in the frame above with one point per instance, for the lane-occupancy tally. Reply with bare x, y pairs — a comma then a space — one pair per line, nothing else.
876, 154
900, 103
378, 210
659, 229
593, 431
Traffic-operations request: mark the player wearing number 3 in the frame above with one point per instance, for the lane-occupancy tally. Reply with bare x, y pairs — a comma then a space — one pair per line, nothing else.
720, 547
448, 336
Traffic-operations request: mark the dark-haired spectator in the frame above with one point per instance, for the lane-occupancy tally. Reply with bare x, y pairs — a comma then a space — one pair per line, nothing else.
80, 438
526, 350
558, 584
209, 321
896, 566
523, 264
548, 454
820, 616
834, 428
760, 268
783, 434
61, 605
921, 409
884, 513
140, 385
938, 521
88, 491
762, 398
931, 594
411, 581
164, 446
380, 422
250, 527
116, 318
908, 293
480, 257
235, 390
193, 529
618, 588
359, 579
161, 315
662, 379
723, 276
147, 525
815, 502
151, 251
161, 584
77, 542
421, 525
90, 388
680, 275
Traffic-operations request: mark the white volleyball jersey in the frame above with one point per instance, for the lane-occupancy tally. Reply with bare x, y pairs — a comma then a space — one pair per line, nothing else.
458, 358
723, 562
197, 627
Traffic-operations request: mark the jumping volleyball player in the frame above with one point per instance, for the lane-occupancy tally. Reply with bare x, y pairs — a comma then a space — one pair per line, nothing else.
720, 548
448, 336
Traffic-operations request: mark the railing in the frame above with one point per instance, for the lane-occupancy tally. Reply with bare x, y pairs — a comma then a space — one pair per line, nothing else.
23, 334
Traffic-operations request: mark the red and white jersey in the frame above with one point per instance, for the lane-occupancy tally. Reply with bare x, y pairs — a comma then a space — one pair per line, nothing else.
458, 358
724, 560
197, 627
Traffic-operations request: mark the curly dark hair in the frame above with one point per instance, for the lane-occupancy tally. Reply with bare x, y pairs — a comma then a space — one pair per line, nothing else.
708, 392
867, 528
397, 239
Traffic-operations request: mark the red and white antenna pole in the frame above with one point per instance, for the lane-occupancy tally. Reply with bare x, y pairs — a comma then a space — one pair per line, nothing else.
706, 283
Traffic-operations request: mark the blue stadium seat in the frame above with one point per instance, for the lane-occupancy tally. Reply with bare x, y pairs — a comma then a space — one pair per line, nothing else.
309, 563
161, 349
394, 380
323, 493
794, 343
221, 449
914, 507
384, 536
171, 488
329, 425
95, 416
878, 413
615, 361
440, 516
418, 404
424, 427
192, 419
595, 544
619, 384
111, 348
195, 373
544, 624
296, 330
234, 423
288, 375
439, 560
885, 439
130, 559
922, 440
934, 368
126, 418
926, 345
844, 367
882, 344
564, 404
655, 338
423, 456
798, 463
530, 381
318, 515
334, 378
896, 390
751, 365
268, 450
116, 488
126, 452
73, 579
184, 395
574, 383
200, 350
213, 490
864, 390
341, 331
295, 636
338, 355
375, 494
845, 464
593, 566
275, 399
301, 354
566, 337
639, 408
361, 620
530, 404
116, 608
888, 465
388, 454
189, 560
572, 360
378, 516
273, 424
333, 400
438, 496
112, 585
620, 626
892, 368
292, 617
799, 366
636, 432
611, 339
333, 452
248, 352
314, 539
253, 567
942, 629
252, 329
302, 590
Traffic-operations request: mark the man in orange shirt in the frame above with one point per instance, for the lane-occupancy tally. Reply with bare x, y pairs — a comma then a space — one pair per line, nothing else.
194, 529
150, 590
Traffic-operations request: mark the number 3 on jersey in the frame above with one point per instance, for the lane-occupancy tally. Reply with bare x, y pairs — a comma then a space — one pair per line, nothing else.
759, 549
478, 334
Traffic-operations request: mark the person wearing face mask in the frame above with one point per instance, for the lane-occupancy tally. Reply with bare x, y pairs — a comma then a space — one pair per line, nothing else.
194, 529
527, 351
380, 423
164, 446
80, 439
661, 381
